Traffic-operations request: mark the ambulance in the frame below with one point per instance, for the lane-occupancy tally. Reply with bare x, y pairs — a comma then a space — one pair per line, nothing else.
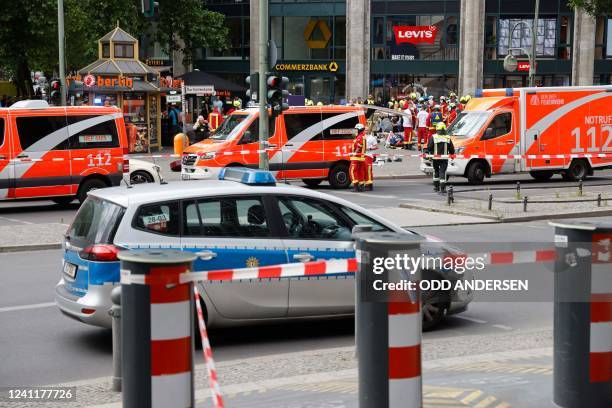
542, 131
60, 152
311, 143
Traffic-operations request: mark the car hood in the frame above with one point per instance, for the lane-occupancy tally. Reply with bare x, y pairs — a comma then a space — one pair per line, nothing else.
206, 146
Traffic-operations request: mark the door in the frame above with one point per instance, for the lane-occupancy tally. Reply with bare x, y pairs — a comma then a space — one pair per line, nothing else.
321, 89
94, 148
303, 152
230, 233
42, 166
6, 168
315, 231
246, 149
499, 138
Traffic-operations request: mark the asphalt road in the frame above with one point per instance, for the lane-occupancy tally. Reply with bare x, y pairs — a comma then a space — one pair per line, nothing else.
41, 346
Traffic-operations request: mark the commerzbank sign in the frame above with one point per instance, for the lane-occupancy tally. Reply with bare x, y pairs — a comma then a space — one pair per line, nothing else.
329, 67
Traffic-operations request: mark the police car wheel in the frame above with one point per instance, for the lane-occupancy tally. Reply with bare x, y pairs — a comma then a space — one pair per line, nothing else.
339, 176
312, 182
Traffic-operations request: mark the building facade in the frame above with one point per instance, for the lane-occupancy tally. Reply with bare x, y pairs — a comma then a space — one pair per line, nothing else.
335, 50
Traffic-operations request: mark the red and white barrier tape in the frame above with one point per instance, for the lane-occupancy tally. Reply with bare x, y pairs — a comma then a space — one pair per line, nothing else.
213, 379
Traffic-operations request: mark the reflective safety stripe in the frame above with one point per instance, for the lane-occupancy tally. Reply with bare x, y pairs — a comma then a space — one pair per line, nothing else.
165, 325
171, 390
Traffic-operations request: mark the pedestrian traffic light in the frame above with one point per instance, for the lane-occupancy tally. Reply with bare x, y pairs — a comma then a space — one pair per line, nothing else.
253, 83
55, 89
277, 93
148, 7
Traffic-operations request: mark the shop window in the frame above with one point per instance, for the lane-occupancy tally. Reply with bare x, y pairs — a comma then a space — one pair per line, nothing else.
452, 31
378, 30
297, 123
124, 50
515, 33
99, 135
105, 50
159, 218
33, 129
234, 25
340, 31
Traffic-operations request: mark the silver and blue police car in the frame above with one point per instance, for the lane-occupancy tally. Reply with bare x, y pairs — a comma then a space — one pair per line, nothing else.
244, 219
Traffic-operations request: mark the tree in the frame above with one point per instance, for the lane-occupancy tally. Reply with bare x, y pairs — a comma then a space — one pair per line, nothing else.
185, 26
595, 8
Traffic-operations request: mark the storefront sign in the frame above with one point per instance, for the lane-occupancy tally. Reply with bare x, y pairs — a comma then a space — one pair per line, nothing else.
89, 80
415, 34
523, 66
200, 89
168, 82
330, 67
402, 57
155, 62
309, 36
173, 98
110, 82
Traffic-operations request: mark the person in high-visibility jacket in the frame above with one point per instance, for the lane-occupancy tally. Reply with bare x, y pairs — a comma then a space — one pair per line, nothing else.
357, 169
214, 119
371, 145
440, 144
435, 117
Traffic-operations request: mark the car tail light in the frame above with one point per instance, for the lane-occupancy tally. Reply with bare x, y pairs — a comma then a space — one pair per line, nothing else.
126, 160
88, 311
100, 253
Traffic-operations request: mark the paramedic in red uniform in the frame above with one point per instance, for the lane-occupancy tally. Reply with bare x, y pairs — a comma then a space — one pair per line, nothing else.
371, 144
357, 169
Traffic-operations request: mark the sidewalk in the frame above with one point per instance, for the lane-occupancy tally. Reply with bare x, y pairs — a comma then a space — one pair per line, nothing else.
31, 237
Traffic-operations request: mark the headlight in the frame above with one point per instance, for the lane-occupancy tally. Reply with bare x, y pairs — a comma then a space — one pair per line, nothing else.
209, 155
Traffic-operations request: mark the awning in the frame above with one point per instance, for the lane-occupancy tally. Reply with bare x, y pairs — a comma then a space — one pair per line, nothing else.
203, 78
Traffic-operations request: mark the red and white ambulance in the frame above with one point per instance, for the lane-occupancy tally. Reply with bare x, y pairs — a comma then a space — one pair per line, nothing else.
311, 143
60, 152
543, 131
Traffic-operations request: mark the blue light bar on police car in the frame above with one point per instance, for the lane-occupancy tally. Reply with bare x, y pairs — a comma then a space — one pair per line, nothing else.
252, 177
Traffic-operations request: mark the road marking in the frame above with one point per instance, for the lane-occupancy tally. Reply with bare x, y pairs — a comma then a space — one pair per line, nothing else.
471, 319
16, 220
26, 307
471, 397
502, 327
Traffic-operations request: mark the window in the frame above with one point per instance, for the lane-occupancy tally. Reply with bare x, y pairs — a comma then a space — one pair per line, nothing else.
33, 129
159, 218
519, 30
226, 217
361, 219
297, 123
1, 131
95, 223
86, 132
340, 130
253, 135
124, 51
500, 125
105, 50
468, 123
306, 218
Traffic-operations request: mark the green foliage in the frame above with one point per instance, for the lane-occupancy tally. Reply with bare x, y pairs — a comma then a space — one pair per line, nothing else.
595, 8
28, 32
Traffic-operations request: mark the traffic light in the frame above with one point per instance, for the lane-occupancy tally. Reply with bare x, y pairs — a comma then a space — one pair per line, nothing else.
148, 7
55, 95
253, 83
277, 93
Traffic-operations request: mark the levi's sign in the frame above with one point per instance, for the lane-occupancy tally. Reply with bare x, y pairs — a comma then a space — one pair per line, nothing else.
415, 34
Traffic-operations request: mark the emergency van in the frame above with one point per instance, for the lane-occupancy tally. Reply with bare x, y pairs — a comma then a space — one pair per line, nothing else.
311, 143
542, 131
60, 152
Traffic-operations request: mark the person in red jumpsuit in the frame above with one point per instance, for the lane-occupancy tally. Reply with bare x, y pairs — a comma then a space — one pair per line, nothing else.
357, 169
452, 114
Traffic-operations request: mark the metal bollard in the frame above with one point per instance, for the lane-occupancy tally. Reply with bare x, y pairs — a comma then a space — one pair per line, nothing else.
156, 329
518, 190
599, 200
115, 313
580, 188
389, 327
583, 315
490, 202
525, 199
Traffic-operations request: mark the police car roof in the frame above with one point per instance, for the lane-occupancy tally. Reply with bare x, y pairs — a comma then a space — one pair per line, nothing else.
177, 190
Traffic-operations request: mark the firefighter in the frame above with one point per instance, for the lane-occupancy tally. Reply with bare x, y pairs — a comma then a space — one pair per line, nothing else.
370, 100
435, 117
462, 102
371, 144
422, 132
452, 114
440, 144
214, 119
357, 168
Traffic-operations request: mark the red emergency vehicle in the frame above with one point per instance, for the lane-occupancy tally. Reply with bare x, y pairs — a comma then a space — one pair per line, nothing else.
311, 143
542, 131
60, 152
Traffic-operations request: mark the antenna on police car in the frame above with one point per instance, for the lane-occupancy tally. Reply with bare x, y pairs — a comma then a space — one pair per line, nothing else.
157, 169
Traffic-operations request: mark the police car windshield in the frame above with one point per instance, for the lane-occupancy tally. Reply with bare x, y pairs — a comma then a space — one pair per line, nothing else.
95, 223
468, 123
231, 126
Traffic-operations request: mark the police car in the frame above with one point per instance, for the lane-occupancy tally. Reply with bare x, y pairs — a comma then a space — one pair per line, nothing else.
244, 219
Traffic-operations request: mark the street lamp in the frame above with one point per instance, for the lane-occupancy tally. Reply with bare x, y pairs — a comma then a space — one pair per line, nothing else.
510, 61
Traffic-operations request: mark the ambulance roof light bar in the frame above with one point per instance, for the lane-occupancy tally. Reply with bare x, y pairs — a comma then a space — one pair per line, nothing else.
251, 177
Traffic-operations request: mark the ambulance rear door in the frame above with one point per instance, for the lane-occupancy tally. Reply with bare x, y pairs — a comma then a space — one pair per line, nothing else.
302, 156
7, 177
42, 161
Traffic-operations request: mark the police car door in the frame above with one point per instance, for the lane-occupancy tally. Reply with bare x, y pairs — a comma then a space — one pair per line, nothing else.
236, 232
315, 231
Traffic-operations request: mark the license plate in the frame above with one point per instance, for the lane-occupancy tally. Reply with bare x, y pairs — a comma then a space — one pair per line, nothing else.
70, 269
185, 176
